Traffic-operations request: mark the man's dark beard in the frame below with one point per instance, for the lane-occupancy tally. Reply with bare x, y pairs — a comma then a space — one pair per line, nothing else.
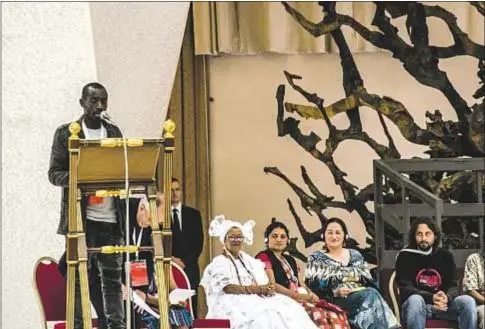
428, 247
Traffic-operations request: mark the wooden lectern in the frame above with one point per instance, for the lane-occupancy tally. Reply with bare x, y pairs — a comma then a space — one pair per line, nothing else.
98, 167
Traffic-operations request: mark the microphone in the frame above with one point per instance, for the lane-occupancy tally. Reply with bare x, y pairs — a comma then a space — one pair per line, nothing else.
105, 117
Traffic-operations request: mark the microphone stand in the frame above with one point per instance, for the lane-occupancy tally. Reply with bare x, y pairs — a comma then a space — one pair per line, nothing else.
106, 118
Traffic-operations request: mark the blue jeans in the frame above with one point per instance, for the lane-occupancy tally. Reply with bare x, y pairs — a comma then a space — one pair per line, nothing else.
415, 312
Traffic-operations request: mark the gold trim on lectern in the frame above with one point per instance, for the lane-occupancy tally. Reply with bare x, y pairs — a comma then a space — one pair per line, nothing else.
117, 142
118, 249
111, 193
74, 129
169, 128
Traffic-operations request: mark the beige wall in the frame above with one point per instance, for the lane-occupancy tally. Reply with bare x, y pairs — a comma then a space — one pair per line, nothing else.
137, 48
49, 51
244, 137
47, 56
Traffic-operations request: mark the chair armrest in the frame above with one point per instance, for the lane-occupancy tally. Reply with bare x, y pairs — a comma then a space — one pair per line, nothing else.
395, 303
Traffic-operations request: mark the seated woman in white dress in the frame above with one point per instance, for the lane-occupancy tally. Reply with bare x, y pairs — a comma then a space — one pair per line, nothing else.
238, 289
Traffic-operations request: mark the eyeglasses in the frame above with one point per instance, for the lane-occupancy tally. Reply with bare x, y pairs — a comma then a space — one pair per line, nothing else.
235, 238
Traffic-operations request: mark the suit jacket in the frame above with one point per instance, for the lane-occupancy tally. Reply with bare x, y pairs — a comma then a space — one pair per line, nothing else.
187, 245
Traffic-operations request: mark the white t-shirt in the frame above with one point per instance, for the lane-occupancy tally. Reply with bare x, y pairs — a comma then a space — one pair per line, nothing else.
104, 211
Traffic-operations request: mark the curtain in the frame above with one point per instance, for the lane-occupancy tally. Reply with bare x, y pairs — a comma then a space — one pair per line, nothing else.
247, 28
188, 107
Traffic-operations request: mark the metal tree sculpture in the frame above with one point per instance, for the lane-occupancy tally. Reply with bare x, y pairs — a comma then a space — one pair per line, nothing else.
420, 59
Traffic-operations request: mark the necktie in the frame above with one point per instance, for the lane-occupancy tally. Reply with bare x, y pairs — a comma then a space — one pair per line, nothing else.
176, 222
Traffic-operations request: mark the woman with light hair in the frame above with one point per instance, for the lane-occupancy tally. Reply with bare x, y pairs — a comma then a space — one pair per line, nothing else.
238, 289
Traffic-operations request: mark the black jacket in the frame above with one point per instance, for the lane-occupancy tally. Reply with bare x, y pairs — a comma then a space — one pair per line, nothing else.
187, 245
59, 172
425, 275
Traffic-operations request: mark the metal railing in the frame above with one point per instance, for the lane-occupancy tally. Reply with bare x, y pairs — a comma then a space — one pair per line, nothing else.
399, 214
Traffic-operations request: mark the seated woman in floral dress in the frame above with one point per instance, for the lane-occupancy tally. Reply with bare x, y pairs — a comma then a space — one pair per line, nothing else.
283, 268
238, 289
341, 276
178, 316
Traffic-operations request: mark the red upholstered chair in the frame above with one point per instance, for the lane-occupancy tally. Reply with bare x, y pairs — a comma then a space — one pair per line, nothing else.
435, 324
211, 324
182, 281
50, 287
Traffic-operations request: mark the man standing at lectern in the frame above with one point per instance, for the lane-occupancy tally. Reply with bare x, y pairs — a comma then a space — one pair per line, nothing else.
188, 238
103, 218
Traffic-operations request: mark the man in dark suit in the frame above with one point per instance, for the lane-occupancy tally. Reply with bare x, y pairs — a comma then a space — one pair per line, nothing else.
188, 238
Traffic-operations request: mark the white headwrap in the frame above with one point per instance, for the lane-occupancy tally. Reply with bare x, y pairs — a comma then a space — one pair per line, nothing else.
220, 226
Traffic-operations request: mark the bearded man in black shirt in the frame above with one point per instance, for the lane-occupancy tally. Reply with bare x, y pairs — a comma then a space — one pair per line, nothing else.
427, 280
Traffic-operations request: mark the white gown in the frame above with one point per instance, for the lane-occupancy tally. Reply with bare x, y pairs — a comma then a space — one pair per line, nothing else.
249, 311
